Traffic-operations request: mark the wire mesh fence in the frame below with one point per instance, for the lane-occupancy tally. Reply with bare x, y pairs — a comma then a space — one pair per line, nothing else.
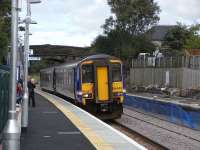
4, 96
167, 62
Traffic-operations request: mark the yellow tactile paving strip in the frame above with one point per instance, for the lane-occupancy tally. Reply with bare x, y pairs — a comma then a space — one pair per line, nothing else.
94, 138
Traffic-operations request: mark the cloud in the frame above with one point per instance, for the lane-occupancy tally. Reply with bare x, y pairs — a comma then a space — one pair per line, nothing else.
78, 22
185, 11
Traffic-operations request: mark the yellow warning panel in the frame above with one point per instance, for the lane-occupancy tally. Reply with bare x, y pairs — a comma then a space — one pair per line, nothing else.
102, 79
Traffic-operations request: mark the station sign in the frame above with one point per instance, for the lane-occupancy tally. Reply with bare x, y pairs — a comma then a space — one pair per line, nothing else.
34, 58
30, 52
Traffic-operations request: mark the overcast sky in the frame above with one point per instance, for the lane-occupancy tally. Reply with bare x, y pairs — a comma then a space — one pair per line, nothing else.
78, 22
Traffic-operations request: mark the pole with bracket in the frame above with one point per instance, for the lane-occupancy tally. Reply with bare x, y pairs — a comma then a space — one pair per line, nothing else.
11, 133
24, 120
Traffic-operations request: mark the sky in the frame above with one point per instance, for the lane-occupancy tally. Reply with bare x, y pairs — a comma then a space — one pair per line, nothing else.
78, 22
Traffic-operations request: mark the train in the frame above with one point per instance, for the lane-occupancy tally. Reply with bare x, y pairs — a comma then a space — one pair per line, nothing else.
96, 83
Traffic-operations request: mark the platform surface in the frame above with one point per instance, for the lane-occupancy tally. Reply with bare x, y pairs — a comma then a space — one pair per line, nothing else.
57, 124
49, 129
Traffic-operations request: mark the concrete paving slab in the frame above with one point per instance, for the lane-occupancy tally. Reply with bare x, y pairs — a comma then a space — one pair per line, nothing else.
50, 129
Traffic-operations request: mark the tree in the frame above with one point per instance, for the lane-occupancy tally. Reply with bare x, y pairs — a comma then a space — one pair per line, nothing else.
5, 12
132, 16
124, 31
116, 42
102, 44
182, 37
194, 40
122, 44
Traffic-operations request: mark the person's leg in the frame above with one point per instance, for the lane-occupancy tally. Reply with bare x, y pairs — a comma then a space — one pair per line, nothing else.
17, 100
29, 99
33, 99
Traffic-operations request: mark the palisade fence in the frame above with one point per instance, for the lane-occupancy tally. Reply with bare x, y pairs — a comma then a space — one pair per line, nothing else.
4, 96
177, 72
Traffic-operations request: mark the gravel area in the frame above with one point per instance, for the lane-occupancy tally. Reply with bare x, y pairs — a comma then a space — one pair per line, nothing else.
137, 137
165, 133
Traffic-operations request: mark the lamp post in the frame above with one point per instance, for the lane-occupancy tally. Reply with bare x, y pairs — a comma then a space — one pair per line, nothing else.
11, 134
27, 21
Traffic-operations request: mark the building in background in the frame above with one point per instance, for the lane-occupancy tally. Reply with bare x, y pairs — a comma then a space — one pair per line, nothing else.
157, 34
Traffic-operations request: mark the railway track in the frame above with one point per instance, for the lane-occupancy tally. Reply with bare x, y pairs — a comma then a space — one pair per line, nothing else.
158, 126
146, 142
159, 131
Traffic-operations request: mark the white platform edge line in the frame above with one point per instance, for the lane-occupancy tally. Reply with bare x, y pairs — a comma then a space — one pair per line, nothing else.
111, 128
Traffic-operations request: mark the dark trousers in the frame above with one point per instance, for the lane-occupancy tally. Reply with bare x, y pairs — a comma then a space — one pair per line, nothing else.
32, 97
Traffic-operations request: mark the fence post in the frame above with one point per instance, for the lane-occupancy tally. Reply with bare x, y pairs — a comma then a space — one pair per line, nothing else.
182, 61
132, 63
171, 62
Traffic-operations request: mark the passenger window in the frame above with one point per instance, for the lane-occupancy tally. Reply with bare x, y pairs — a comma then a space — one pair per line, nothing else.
87, 73
116, 72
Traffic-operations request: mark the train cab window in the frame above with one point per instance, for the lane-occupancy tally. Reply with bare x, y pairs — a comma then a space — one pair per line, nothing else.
116, 72
87, 73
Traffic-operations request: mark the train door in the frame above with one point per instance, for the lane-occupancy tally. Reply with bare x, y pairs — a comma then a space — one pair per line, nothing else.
102, 82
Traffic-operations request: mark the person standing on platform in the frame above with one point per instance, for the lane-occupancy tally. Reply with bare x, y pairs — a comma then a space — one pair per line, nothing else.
21, 81
19, 90
31, 87
19, 93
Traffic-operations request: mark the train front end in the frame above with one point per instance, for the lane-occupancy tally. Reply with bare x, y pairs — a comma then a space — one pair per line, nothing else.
102, 87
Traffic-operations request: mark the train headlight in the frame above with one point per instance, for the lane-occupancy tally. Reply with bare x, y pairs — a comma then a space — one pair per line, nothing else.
87, 95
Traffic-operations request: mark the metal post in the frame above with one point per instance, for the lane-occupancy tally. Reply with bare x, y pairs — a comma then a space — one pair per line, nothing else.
11, 134
24, 120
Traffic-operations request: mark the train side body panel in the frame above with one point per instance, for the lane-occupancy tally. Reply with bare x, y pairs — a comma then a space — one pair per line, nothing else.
46, 79
65, 81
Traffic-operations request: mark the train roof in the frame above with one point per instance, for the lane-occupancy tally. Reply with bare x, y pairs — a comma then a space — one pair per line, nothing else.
76, 62
99, 56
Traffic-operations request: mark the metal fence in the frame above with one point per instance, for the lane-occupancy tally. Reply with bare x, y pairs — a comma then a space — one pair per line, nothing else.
4, 96
167, 62
180, 72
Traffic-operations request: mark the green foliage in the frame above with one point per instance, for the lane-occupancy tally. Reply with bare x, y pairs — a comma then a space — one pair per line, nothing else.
122, 44
3, 45
38, 65
5, 26
194, 40
182, 37
132, 16
193, 43
124, 34
102, 44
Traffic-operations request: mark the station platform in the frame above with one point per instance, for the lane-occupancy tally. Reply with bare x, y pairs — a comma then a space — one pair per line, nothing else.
57, 124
